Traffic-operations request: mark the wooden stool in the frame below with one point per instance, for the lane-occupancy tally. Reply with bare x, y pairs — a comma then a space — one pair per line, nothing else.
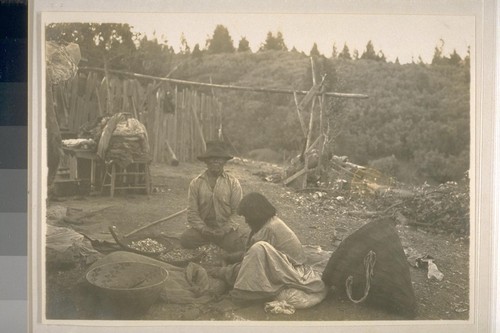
135, 176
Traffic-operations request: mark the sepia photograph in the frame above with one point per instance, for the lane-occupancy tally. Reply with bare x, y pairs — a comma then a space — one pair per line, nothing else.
257, 168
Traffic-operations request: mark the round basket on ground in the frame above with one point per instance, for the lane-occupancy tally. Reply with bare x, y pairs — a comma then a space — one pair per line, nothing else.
128, 288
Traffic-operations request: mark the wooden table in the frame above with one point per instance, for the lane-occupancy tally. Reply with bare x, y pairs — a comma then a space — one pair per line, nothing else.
79, 160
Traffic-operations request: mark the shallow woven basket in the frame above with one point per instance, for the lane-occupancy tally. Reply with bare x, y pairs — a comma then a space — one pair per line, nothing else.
131, 286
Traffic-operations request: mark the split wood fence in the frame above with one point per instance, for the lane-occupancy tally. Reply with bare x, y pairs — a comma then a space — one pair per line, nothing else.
178, 122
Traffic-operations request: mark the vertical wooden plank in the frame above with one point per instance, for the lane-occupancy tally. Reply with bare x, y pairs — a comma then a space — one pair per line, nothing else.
73, 102
207, 127
174, 131
220, 114
186, 125
201, 114
197, 126
180, 126
161, 124
156, 125
192, 123
164, 137
124, 96
189, 125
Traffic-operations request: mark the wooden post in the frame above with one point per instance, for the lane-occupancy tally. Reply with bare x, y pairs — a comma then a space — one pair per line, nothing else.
302, 125
321, 131
313, 72
164, 136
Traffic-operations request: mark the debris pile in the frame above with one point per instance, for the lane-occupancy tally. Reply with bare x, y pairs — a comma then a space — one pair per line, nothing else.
444, 207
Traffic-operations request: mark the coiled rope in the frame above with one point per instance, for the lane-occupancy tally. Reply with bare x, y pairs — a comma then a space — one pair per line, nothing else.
369, 263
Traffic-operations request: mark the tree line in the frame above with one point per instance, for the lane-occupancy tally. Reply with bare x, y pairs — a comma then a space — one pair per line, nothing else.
118, 46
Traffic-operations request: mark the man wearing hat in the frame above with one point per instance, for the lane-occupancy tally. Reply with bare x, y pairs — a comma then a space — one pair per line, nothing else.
213, 198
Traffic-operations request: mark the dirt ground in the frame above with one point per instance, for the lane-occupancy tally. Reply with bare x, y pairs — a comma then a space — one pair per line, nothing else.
314, 223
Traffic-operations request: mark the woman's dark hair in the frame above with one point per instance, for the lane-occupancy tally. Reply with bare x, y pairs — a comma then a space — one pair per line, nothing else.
256, 209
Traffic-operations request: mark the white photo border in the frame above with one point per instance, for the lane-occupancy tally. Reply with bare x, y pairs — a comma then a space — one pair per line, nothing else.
484, 232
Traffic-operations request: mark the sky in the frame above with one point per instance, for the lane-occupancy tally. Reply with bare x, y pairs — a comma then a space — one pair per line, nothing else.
402, 36
399, 36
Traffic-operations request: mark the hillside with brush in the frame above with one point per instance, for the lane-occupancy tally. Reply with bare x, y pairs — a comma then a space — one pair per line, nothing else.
414, 125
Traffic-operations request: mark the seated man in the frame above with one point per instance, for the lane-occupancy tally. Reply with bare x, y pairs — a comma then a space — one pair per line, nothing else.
213, 198
274, 258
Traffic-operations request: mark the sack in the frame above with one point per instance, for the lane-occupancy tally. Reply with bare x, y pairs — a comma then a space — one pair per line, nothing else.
370, 266
299, 299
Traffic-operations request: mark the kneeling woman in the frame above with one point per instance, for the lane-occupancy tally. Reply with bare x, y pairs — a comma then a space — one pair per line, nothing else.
274, 258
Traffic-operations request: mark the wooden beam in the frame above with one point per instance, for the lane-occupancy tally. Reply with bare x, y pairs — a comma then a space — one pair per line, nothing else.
222, 86
301, 120
309, 96
313, 72
295, 176
313, 144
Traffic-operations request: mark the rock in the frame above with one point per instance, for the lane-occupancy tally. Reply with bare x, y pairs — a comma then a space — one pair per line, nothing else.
56, 212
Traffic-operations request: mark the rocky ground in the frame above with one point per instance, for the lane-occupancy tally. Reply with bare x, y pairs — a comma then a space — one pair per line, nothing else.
319, 217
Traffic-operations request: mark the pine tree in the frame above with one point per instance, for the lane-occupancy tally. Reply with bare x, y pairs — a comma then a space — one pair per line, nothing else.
314, 51
221, 41
196, 51
274, 43
243, 45
369, 53
345, 53
455, 59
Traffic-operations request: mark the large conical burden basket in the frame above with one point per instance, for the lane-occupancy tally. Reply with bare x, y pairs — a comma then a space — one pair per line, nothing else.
390, 286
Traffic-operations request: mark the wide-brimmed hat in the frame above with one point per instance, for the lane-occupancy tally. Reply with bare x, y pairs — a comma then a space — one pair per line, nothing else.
215, 149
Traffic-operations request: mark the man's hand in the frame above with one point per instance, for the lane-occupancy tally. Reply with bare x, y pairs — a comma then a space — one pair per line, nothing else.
218, 234
206, 232
213, 234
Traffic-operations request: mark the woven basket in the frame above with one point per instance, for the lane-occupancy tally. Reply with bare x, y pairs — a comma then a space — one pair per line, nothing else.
131, 287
